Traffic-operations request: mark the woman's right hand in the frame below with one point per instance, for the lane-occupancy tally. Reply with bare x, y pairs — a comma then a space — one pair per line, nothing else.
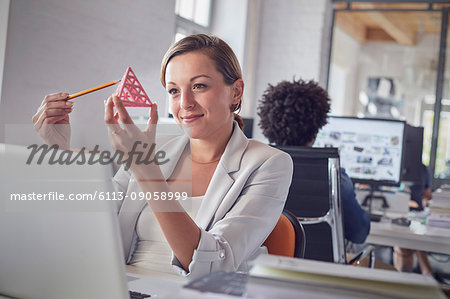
51, 120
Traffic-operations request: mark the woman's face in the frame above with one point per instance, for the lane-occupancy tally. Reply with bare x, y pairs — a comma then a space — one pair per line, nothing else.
199, 97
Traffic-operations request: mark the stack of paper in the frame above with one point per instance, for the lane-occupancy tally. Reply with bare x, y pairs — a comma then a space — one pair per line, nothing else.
439, 220
316, 279
440, 209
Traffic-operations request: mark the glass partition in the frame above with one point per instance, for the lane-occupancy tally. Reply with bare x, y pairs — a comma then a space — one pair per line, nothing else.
442, 168
384, 63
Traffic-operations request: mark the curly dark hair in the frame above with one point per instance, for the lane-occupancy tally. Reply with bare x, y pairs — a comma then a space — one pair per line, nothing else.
293, 112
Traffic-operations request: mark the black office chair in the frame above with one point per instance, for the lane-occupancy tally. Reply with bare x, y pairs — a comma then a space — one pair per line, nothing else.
314, 198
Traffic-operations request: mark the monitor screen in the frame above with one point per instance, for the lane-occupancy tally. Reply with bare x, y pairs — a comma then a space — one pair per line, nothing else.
370, 149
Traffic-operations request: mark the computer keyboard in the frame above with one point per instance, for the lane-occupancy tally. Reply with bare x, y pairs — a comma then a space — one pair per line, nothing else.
374, 217
137, 295
401, 221
229, 283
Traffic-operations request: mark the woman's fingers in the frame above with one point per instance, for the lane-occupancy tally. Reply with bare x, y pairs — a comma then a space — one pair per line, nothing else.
124, 117
55, 97
50, 116
59, 104
110, 120
50, 102
153, 120
57, 112
51, 120
122, 111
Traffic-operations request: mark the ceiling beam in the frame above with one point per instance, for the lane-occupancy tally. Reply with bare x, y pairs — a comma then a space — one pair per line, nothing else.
378, 35
398, 31
351, 25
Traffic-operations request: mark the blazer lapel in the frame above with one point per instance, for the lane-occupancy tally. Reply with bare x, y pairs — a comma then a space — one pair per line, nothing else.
221, 182
218, 187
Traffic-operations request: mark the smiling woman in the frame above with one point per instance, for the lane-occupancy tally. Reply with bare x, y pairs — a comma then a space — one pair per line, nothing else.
200, 98
239, 186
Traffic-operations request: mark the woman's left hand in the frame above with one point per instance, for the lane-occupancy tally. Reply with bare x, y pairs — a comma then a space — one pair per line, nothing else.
129, 138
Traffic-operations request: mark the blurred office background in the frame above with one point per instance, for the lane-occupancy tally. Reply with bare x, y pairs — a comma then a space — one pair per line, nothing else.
382, 59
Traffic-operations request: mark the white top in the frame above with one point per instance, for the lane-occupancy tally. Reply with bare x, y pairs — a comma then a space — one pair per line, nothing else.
152, 249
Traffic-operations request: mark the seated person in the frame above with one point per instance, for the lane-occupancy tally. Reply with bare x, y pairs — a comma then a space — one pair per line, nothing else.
292, 114
421, 192
239, 186
404, 257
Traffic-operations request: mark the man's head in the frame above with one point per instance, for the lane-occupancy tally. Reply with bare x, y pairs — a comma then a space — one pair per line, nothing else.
293, 112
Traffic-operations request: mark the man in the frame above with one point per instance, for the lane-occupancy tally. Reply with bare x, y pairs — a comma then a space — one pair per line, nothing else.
403, 257
292, 114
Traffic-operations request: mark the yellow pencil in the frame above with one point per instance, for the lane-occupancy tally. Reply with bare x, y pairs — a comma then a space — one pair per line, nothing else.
92, 89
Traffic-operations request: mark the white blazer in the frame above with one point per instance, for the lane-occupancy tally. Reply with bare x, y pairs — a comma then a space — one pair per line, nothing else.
241, 206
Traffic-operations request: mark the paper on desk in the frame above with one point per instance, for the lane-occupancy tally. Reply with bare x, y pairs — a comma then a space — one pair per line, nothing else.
339, 270
373, 281
263, 288
194, 294
439, 220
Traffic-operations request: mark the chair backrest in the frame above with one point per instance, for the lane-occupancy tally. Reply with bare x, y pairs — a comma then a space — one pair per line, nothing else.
287, 238
314, 198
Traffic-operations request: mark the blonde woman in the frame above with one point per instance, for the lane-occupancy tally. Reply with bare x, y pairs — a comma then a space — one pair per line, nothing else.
239, 186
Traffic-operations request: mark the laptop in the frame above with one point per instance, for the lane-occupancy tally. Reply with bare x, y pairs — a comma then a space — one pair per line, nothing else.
55, 247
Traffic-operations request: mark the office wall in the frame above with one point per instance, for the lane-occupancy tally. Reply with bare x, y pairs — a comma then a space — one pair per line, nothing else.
64, 45
228, 21
345, 60
293, 40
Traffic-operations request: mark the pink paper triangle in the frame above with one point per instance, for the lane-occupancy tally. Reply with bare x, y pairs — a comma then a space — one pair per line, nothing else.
131, 92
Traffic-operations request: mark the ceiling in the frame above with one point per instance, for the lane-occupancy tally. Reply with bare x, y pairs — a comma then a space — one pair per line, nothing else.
401, 27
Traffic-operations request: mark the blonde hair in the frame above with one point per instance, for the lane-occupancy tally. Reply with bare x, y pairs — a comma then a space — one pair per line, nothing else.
218, 51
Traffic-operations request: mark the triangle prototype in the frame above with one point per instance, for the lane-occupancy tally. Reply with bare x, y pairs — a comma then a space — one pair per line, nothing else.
131, 92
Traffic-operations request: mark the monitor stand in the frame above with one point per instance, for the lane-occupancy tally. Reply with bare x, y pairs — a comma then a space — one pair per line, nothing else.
369, 197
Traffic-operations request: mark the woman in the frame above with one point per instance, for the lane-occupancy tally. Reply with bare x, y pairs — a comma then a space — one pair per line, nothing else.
238, 185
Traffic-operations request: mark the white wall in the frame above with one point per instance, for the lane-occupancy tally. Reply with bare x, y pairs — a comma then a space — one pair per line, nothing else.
64, 45
293, 41
344, 74
228, 21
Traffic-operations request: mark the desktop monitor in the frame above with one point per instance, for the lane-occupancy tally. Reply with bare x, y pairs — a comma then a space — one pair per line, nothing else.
412, 155
370, 149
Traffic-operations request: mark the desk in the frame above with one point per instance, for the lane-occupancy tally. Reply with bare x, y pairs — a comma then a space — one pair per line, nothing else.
282, 277
417, 236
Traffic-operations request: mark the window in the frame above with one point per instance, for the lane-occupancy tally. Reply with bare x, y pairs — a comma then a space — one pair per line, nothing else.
193, 16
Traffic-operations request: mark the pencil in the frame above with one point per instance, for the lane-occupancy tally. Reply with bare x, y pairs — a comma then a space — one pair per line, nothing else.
92, 89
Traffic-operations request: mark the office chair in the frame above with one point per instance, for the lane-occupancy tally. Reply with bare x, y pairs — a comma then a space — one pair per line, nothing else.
287, 238
314, 198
